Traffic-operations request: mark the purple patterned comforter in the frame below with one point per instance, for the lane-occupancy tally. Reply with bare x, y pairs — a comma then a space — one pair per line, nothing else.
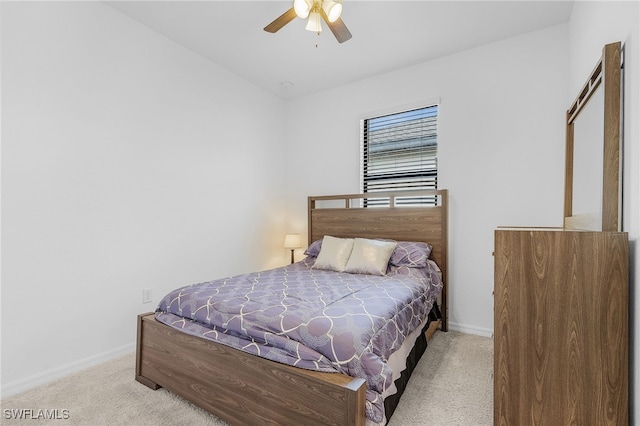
320, 320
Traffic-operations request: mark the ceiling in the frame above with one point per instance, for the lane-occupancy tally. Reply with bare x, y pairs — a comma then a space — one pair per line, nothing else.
387, 35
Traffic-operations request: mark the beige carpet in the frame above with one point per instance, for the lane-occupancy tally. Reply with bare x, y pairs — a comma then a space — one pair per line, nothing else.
452, 385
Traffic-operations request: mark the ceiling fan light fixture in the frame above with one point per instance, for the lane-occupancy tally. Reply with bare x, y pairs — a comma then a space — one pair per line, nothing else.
333, 9
315, 12
302, 7
314, 22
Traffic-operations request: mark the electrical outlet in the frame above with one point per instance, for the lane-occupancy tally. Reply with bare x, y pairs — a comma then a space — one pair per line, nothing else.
147, 295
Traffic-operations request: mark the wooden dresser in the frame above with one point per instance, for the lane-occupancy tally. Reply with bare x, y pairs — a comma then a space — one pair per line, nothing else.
561, 328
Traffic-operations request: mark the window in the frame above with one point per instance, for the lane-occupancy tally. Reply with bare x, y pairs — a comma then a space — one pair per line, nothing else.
399, 152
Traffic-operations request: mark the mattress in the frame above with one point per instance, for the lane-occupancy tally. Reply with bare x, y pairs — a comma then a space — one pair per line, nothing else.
314, 319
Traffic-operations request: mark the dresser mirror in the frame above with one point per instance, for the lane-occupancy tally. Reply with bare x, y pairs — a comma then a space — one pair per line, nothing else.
588, 163
593, 146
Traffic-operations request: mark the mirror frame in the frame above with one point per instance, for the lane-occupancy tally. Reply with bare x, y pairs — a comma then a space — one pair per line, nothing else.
608, 74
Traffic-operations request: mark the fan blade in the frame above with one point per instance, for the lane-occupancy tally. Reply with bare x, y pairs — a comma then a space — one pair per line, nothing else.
281, 21
337, 27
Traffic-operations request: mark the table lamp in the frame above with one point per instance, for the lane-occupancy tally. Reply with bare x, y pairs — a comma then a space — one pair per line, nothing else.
292, 242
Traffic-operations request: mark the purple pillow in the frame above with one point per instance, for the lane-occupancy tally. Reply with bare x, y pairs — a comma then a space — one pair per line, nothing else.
410, 253
314, 248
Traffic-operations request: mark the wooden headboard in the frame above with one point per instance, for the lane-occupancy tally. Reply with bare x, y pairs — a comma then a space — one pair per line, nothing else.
345, 216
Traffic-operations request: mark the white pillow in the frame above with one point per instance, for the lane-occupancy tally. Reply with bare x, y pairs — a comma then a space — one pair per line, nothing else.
370, 256
334, 253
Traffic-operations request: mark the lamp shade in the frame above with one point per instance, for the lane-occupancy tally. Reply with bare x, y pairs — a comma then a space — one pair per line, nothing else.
333, 9
302, 8
314, 23
292, 241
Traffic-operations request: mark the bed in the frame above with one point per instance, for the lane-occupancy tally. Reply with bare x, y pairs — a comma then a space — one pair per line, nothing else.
243, 388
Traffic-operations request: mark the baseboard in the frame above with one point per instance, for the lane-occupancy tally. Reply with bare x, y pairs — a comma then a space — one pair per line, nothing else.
56, 373
463, 328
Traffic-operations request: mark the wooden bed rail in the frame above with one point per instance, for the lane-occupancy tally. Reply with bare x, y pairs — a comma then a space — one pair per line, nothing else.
241, 388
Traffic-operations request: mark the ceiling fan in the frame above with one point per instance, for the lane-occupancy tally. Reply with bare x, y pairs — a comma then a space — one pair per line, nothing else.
316, 11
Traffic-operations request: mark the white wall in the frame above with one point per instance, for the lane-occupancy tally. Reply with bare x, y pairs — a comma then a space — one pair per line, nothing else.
594, 24
127, 163
501, 148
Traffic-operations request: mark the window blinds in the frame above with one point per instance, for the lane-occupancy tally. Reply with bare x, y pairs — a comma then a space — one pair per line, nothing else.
400, 153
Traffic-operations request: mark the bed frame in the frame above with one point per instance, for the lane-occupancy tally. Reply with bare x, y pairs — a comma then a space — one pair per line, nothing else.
245, 389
